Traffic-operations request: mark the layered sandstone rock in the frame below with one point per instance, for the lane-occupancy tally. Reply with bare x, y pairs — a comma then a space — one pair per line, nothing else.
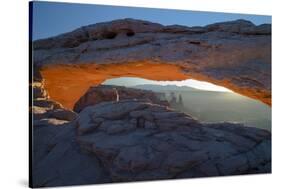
103, 93
56, 157
235, 54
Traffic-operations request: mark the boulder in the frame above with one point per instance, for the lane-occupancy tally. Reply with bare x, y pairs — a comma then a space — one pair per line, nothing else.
63, 114
104, 93
38, 91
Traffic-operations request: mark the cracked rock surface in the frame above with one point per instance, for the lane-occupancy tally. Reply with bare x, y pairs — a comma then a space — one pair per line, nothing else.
137, 140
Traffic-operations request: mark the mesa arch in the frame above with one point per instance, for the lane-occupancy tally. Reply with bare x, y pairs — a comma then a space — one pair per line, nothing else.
235, 54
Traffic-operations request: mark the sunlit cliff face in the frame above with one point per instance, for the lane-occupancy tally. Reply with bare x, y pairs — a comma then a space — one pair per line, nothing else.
67, 83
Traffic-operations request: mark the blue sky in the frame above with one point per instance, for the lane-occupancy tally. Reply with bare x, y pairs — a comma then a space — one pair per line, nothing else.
50, 19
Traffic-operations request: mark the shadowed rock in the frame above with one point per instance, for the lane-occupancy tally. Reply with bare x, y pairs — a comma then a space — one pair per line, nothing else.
57, 159
141, 141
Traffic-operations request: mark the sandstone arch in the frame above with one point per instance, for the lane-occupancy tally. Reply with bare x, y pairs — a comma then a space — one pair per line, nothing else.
235, 54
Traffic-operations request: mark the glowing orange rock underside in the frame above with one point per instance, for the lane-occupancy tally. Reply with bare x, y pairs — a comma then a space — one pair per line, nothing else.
67, 83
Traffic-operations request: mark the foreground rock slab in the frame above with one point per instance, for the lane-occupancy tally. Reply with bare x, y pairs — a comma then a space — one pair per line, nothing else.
137, 140
133, 140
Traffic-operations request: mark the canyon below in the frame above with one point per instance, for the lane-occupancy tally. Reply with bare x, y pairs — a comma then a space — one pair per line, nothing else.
85, 132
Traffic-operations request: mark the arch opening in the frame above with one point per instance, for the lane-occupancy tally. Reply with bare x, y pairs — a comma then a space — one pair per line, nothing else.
202, 100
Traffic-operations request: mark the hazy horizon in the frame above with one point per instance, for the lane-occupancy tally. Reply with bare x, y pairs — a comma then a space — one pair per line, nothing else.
133, 81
